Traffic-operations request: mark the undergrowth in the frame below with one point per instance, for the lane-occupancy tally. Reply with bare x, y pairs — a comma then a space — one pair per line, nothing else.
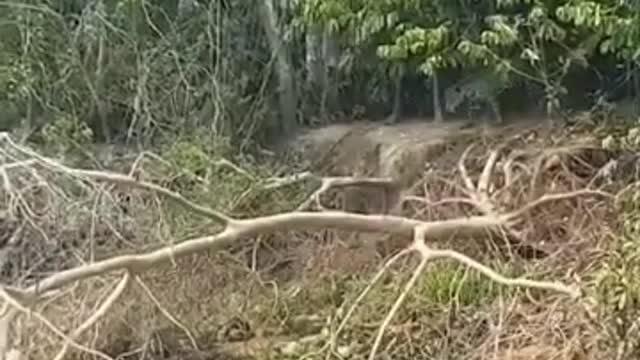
617, 285
209, 172
450, 313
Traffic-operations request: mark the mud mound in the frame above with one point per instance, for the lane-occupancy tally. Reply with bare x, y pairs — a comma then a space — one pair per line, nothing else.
399, 151
403, 152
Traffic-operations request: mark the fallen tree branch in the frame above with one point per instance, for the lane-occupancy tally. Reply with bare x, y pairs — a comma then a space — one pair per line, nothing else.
427, 254
120, 179
245, 228
240, 229
557, 197
423, 232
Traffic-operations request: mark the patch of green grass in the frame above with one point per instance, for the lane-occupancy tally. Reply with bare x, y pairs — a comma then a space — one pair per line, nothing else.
208, 173
444, 283
441, 285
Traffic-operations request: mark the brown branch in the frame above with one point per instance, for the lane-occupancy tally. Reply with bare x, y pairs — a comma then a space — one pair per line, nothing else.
441, 202
463, 170
239, 229
485, 177
556, 197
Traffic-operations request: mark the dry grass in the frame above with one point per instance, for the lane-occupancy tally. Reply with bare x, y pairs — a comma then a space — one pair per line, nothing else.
290, 295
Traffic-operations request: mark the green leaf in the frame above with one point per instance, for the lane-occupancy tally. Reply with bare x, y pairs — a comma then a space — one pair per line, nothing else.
530, 55
605, 46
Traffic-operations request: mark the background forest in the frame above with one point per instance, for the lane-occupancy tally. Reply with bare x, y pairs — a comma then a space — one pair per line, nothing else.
133, 71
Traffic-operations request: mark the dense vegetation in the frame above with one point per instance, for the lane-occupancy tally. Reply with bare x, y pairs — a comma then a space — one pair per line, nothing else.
204, 85
135, 69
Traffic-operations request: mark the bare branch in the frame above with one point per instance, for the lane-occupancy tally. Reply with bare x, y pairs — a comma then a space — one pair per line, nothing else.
396, 306
334, 336
491, 221
166, 312
124, 180
509, 164
485, 177
442, 202
274, 183
500, 279
102, 310
132, 182
556, 197
20, 308
463, 170
240, 229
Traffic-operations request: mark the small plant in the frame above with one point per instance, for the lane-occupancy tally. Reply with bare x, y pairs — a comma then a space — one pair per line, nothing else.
628, 139
65, 134
195, 157
446, 283
190, 156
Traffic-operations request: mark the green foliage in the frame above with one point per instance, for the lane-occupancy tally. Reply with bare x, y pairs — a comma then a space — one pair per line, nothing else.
66, 134
206, 170
617, 286
141, 68
197, 154
441, 285
537, 41
447, 283
193, 170
123, 63
16, 80
617, 24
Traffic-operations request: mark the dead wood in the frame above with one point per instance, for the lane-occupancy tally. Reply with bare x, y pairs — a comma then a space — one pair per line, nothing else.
424, 235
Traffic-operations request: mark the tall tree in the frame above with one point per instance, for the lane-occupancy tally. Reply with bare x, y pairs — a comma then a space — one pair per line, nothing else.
286, 91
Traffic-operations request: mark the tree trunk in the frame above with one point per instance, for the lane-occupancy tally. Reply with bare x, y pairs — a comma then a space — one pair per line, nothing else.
286, 91
100, 80
313, 59
397, 74
437, 108
330, 54
635, 74
315, 64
